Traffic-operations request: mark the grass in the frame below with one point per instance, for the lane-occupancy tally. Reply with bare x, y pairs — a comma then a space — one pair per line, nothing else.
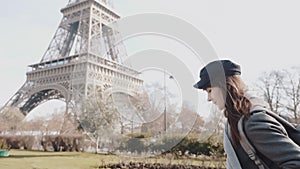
19, 159
52, 160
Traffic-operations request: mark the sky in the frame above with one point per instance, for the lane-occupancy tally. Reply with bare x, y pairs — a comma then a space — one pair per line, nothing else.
259, 35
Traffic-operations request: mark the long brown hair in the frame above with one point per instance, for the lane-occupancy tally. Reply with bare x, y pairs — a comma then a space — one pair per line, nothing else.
236, 104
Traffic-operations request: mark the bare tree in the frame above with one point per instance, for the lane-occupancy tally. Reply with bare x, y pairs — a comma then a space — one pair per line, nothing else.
291, 87
68, 122
282, 91
189, 120
214, 123
271, 83
157, 97
4, 126
158, 100
100, 121
10, 118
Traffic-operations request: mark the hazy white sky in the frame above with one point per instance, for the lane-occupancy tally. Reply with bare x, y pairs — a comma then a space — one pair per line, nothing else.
259, 35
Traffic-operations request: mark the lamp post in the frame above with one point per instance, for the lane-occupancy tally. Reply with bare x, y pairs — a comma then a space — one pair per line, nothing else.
165, 101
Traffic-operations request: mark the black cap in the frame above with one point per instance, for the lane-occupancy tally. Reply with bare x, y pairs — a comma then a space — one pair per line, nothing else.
216, 71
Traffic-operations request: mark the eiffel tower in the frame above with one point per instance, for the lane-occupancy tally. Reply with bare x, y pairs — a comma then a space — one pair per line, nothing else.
81, 61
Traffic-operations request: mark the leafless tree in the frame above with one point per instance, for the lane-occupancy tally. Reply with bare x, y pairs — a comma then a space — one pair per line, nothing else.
189, 120
158, 100
282, 91
100, 121
68, 122
291, 87
271, 85
214, 123
10, 118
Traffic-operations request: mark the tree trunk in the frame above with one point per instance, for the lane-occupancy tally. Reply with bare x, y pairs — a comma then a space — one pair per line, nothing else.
97, 145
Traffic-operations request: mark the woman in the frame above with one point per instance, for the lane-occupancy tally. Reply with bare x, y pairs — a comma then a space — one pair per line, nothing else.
221, 80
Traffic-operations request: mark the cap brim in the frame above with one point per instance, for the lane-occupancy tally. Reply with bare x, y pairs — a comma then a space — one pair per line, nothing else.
202, 84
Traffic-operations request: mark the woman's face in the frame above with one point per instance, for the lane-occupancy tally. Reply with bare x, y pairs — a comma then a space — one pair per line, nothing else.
215, 95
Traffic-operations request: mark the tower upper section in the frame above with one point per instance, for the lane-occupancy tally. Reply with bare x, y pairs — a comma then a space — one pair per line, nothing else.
85, 28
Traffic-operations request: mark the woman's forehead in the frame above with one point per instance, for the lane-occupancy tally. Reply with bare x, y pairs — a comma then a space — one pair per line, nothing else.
212, 88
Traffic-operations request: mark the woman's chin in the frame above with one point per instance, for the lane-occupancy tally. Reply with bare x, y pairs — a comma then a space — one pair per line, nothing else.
221, 108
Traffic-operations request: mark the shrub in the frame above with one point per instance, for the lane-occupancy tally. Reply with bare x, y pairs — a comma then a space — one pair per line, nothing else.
4, 145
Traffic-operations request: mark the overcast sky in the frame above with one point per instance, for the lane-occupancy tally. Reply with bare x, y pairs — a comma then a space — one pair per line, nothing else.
259, 35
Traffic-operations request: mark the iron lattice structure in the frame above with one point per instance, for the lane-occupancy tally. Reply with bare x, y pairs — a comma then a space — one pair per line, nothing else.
81, 61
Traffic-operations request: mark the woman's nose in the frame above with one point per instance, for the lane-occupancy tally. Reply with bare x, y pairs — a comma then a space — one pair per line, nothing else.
208, 97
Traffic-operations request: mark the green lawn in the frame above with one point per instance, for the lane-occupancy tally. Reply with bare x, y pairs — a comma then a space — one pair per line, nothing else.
53, 160
19, 159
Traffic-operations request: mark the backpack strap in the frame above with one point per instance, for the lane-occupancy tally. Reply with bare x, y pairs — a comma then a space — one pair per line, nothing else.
247, 145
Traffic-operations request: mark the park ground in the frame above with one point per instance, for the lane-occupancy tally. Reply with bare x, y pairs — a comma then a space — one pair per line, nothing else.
51, 160
20, 159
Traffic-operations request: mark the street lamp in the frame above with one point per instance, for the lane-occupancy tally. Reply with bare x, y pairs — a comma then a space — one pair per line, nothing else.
165, 101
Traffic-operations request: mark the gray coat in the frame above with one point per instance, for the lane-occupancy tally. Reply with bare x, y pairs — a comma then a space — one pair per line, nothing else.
271, 141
